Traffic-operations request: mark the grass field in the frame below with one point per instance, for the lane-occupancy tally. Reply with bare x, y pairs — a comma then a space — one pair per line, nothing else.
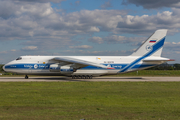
90, 100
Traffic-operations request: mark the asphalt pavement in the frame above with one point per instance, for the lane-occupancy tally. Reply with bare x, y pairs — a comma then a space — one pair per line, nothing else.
110, 79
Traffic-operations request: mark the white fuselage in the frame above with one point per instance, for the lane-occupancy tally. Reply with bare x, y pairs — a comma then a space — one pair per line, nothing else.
40, 65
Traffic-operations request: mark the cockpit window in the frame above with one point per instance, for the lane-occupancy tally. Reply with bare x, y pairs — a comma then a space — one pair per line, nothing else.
19, 58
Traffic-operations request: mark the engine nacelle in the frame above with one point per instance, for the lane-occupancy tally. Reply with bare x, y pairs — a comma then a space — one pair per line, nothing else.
54, 68
66, 70
61, 69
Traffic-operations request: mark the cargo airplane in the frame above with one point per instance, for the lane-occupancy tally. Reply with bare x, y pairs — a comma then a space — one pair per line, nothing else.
85, 67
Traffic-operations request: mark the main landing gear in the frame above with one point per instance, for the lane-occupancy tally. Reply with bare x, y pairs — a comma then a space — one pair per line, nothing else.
81, 76
26, 77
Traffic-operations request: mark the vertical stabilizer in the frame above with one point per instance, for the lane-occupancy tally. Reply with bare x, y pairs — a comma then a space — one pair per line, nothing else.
153, 44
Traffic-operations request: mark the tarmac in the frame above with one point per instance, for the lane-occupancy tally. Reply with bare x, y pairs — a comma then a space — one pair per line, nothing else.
95, 79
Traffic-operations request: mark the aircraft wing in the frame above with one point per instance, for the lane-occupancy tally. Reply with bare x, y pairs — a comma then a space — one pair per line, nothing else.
80, 63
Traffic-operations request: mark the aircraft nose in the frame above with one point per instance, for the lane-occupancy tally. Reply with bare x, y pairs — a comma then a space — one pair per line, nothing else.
4, 68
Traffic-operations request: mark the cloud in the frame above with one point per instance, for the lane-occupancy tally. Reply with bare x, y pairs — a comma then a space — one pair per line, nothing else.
25, 19
36, 21
77, 2
3, 52
153, 4
173, 46
86, 21
96, 40
99, 53
172, 50
145, 23
39, 1
44, 43
30, 48
94, 29
106, 5
115, 39
109, 39
81, 47
13, 50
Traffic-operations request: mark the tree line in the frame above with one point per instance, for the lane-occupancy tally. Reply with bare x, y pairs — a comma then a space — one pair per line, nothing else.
166, 66
1, 67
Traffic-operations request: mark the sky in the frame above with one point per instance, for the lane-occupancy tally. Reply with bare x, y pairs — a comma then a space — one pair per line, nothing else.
85, 27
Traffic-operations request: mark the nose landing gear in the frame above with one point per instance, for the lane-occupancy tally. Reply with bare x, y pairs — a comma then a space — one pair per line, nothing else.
26, 77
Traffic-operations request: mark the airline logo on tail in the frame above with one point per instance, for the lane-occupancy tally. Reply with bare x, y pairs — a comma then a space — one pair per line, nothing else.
148, 47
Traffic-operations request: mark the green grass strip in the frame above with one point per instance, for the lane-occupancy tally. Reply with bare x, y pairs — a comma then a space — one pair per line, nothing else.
90, 100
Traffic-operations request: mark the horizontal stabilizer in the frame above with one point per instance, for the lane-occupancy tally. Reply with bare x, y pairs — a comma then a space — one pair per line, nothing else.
158, 60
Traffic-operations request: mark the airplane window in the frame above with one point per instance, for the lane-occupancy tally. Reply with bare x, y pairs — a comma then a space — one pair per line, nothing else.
19, 58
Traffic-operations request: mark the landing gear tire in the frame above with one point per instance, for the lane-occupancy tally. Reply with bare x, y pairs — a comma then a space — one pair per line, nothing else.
82, 77
74, 77
26, 77
86, 77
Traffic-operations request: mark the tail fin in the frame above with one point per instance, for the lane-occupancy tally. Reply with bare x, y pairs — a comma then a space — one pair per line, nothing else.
153, 45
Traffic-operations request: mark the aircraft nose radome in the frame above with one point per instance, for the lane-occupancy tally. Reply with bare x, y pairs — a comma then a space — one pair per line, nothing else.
4, 68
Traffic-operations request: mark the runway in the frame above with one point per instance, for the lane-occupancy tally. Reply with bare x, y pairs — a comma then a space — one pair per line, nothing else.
95, 79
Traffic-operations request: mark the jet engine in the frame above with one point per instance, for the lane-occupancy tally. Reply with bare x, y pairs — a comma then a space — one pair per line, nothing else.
61, 69
54, 68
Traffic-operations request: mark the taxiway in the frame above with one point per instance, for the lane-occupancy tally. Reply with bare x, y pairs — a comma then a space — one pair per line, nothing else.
110, 79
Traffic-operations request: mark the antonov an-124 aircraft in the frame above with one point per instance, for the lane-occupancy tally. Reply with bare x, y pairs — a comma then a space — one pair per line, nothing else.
85, 67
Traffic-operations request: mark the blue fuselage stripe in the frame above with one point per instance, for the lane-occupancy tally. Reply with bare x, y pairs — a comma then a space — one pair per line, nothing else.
47, 66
